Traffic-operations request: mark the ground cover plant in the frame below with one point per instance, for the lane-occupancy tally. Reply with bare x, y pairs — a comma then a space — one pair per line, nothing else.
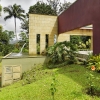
71, 81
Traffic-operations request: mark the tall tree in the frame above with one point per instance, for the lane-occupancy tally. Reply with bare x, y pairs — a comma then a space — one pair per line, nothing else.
0, 9
64, 6
55, 4
14, 11
10, 34
23, 36
42, 8
25, 25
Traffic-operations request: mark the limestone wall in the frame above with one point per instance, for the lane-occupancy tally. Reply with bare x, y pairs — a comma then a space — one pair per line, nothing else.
41, 24
82, 32
66, 36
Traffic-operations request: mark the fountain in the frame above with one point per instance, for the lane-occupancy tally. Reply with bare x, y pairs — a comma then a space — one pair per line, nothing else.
20, 53
14, 64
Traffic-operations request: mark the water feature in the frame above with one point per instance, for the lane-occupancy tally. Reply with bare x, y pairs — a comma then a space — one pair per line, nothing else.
20, 53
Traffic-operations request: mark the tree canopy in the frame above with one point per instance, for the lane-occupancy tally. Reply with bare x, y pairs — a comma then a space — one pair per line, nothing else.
41, 8
14, 11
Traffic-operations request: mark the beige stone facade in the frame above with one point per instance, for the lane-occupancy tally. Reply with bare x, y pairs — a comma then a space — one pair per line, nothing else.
41, 24
66, 36
45, 24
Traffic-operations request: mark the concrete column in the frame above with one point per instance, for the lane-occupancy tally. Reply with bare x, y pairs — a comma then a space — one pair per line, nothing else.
32, 45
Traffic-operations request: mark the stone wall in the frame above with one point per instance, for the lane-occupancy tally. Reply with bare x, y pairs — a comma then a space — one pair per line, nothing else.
44, 24
41, 24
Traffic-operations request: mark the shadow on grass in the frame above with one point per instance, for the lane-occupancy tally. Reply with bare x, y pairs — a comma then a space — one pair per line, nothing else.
76, 72
80, 75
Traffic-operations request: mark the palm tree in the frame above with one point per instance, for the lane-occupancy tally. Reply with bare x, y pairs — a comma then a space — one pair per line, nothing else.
0, 9
14, 11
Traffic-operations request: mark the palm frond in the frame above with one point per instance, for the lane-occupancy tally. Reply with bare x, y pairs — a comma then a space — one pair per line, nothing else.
8, 17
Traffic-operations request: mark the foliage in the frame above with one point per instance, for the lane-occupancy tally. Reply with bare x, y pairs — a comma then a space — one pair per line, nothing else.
58, 65
25, 25
64, 6
70, 81
54, 5
85, 38
75, 39
0, 9
5, 38
82, 42
14, 11
33, 74
94, 60
10, 34
88, 43
62, 51
23, 36
91, 87
6, 48
18, 46
53, 87
0, 28
38, 48
57, 6
41, 8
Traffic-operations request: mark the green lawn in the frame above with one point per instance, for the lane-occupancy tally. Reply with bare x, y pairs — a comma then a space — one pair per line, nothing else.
0, 68
0, 64
70, 82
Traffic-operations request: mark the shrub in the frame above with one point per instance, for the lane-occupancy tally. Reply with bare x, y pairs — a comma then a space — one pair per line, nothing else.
7, 49
92, 87
94, 61
61, 52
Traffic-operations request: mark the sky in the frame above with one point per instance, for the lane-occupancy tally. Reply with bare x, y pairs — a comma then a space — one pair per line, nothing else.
25, 4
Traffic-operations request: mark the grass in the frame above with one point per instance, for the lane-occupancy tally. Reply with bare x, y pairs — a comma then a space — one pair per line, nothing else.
0, 69
70, 82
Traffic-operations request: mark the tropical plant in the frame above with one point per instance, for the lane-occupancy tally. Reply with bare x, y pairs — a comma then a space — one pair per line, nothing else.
62, 51
25, 24
14, 11
94, 61
91, 87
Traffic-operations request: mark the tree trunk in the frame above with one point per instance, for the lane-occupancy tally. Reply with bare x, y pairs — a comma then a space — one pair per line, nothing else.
15, 28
